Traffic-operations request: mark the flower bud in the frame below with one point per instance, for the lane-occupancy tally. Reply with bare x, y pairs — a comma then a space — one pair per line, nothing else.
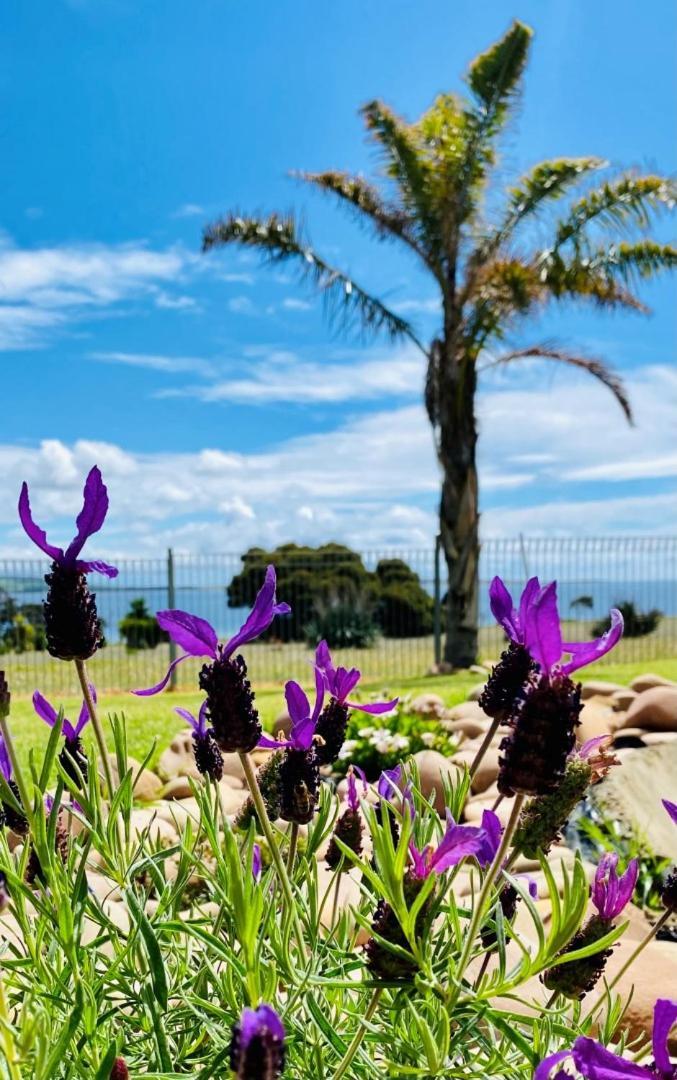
575, 979
669, 891
4, 892
257, 1049
230, 704
119, 1070
348, 829
382, 963
543, 819
16, 821
268, 779
72, 625
72, 758
208, 758
5, 696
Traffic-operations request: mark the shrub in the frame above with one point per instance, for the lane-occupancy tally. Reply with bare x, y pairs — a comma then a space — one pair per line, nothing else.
139, 628
342, 626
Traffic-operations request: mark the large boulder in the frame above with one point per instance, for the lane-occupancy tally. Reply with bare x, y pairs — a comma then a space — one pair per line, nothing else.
178, 759
632, 794
622, 699
599, 688
434, 768
596, 718
467, 710
654, 710
147, 786
427, 705
648, 681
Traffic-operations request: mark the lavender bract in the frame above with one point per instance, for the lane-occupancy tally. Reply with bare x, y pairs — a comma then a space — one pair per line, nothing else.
669, 887
9, 815
257, 1048
459, 842
73, 757
594, 1062
229, 698
611, 891
208, 758
349, 827
299, 771
72, 624
332, 723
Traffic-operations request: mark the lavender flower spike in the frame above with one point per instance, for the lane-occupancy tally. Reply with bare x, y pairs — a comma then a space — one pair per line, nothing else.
89, 521
506, 615
594, 1062
340, 682
459, 842
257, 1048
207, 755
611, 891
198, 638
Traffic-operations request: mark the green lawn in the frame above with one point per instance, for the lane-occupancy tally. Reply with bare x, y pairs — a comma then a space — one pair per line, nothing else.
153, 719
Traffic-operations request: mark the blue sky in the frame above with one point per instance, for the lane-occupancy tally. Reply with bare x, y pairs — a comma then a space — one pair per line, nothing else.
219, 405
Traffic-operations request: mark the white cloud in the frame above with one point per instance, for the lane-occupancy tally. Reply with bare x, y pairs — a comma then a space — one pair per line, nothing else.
169, 364
290, 303
241, 305
44, 288
432, 306
189, 210
175, 303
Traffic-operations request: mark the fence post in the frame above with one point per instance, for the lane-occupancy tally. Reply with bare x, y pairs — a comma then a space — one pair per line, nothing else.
437, 617
171, 603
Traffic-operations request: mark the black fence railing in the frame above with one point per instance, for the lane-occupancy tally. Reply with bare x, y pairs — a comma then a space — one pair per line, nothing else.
383, 610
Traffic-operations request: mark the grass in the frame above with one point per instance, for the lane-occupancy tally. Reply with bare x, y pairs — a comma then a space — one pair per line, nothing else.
153, 721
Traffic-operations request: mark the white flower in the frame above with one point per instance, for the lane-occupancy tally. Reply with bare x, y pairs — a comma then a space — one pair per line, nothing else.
428, 738
400, 742
347, 749
383, 746
365, 732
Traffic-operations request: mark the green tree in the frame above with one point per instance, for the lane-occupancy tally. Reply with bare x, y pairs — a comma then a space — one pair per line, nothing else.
440, 198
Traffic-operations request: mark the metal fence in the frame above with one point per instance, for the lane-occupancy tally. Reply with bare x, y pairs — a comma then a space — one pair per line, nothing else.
593, 575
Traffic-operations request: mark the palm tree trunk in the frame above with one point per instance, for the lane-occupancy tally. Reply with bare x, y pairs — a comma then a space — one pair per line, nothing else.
459, 510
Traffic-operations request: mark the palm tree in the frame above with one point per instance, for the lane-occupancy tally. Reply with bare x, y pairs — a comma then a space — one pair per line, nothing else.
433, 199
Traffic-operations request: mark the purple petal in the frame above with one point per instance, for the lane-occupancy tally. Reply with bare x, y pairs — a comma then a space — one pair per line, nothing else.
529, 594
5, 763
532, 884
422, 863
319, 695
261, 615
590, 745
458, 842
195, 635
664, 1016
503, 609
671, 809
188, 717
297, 702
255, 1021
84, 716
266, 743
389, 780
44, 709
342, 682
163, 682
375, 708
256, 862
586, 652
544, 1070
597, 1063
323, 657
303, 733
92, 516
542, 634
493, 830
33, 531
352, 798
96, 566
612, 891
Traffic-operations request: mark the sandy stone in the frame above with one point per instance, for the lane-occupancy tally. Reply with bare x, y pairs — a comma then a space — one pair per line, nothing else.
430, 705
467, 710
653, 974
649, 681
147, 786
178, 759
633, 795
654, 709
468, 726
475, 693
178, 788
596, 719
628, 733
433, 768
150, 823
232, 766
599, 688
487, 771
622, 699
282, 724
658, 738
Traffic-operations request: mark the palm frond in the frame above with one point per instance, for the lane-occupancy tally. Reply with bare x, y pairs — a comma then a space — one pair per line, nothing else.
628, 200
502, 291
404, 161
279, 240
585, 278
630, 262
494, 76
597, 368
547, 181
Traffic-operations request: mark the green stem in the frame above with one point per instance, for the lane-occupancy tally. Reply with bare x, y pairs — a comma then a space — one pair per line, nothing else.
631, 959
16, 769
359, 1035
96, 726
293, 845
492, 873
334, 907
484, 746
7, 1037
262, 814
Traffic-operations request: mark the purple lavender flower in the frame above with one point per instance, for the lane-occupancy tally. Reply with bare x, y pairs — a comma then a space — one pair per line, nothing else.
340, 683
512, 619
257, 1047
299, 772
594, 1062
671, 809
669, 887
198, 638
72, 625
349, 827
9, 816
230, 699
611, 891
459, 842
352, 797
257, 863
544, 720
207, 755
72, 757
